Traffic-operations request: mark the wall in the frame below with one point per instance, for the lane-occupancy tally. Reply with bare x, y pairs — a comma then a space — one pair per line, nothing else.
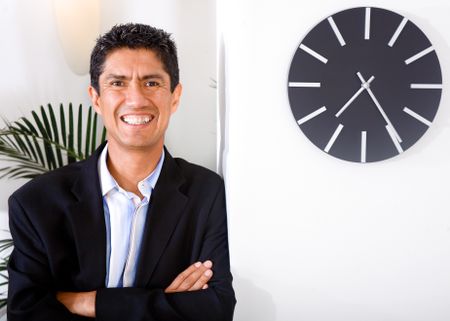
35, 71
314, 238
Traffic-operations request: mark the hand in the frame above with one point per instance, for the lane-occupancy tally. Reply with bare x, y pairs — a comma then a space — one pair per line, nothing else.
380, 109
194, 278
81, 303
364, 85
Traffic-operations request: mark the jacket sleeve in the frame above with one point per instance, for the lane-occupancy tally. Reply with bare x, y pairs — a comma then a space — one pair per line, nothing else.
31, 295
215, 303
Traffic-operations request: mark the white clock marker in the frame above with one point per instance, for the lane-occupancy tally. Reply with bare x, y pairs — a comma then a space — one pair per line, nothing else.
312, 115
426, 86
333, 138
419, 55
305, 84
363, 146
313, 53
336, 31
417, 116
367, 25
397, 32
394, 139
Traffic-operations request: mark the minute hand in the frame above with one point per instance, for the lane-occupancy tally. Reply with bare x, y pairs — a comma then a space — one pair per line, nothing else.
380, 109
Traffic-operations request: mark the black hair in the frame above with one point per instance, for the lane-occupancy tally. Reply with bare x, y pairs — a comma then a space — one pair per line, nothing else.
135, 36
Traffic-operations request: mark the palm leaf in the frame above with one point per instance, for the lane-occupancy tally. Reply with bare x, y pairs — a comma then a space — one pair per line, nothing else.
39, 151
62, 122
21, 129
44, 128
79, 132
10, 142
36, 145
88, 133
33, 134
21, 143
94, 133
55, 134
70, 136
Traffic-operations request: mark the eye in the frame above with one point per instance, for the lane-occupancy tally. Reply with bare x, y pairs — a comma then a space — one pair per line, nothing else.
116, 83
152, 83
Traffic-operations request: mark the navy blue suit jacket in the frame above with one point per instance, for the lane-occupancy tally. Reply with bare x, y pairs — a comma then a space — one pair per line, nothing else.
58, 227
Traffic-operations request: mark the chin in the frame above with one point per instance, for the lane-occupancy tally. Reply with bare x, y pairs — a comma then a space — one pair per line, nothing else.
141, 144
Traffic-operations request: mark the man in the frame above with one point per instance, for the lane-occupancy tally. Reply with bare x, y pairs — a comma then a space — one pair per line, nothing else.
131, 233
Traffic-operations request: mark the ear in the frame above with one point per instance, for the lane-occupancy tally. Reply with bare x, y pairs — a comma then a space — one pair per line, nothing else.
95, 97
176, 98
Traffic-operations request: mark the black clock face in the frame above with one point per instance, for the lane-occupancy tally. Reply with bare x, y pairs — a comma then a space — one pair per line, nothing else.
365, 84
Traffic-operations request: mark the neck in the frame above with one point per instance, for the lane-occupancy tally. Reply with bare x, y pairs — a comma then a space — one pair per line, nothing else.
129, 167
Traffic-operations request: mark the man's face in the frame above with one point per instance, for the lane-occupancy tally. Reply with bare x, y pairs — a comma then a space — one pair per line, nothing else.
135, 100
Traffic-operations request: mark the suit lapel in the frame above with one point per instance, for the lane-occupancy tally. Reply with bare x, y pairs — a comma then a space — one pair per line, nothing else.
165, 210
88, 224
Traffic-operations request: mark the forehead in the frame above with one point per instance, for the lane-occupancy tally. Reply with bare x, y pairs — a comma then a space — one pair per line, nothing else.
126, 60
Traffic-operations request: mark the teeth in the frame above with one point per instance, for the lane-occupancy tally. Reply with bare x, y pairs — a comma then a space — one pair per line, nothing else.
136, 120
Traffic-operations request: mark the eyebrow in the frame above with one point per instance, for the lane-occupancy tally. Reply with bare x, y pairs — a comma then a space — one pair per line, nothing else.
145, 77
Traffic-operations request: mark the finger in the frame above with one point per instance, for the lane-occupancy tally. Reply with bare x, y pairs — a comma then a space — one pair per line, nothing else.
208, 264
189, 280
183, 275
195, 276
202, 281
205, 286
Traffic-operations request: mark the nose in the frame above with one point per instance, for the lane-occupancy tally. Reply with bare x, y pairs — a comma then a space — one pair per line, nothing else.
135, 96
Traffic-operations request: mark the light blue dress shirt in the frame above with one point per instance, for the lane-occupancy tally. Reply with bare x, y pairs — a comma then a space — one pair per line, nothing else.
125, 216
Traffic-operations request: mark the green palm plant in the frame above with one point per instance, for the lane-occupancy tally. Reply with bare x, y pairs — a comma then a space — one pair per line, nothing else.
33, 147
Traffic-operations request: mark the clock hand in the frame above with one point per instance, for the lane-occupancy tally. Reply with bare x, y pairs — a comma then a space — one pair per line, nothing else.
360, 90
380, 109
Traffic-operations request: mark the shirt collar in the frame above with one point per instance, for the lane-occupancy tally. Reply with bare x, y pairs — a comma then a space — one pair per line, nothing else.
107, 182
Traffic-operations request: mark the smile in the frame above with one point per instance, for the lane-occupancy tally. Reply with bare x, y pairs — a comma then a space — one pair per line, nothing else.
137, 119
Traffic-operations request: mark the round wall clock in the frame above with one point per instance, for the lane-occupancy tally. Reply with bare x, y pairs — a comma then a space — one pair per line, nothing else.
365, 84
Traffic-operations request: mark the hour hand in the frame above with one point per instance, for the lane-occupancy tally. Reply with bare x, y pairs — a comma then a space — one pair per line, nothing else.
364, 85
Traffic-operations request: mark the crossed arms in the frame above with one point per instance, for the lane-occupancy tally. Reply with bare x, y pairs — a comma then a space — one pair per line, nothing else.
194, 278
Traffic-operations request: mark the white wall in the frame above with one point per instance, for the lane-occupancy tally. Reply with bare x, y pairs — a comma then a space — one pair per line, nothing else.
35, 71
314, 238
